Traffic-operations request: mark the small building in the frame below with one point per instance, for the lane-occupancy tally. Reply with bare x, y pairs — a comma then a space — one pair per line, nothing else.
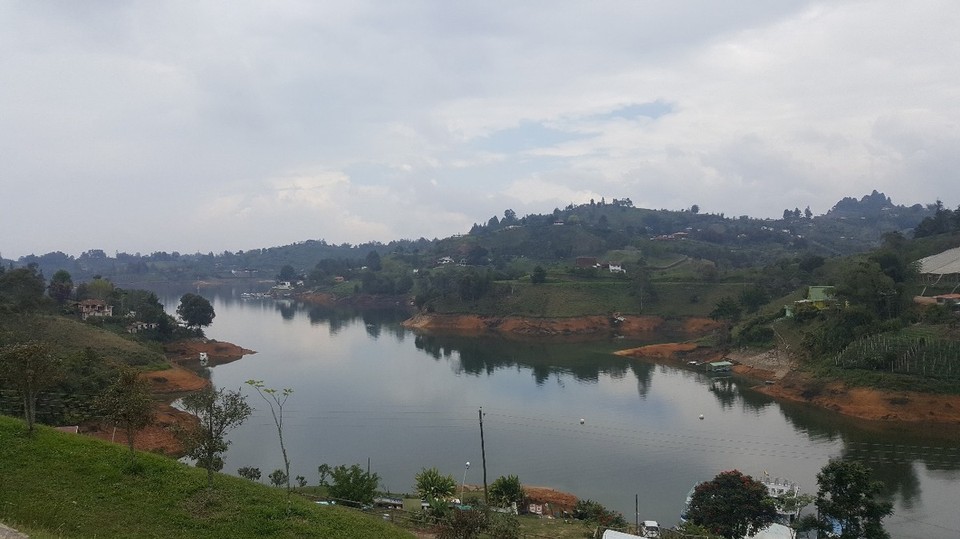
719, 366
818, 298
137, 327
94, 307
616, 267
585, 262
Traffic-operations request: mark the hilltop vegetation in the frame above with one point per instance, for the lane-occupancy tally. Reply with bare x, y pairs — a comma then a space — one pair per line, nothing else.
86, 353
593, 229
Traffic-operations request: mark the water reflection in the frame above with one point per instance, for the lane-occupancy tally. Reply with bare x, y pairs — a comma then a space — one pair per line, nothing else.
892, 452
476, 356
362, 379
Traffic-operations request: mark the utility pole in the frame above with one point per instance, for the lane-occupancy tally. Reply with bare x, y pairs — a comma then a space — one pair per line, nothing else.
483, 455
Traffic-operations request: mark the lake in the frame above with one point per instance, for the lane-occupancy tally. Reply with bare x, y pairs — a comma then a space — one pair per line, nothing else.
367, 388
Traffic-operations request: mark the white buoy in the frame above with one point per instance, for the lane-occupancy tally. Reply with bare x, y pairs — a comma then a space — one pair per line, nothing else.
582, 421
701, 417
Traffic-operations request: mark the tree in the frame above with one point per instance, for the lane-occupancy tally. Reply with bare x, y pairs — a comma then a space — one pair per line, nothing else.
276, 399
249, 472
753, 298
219, 411
431, 484
726, 308
539, 275
848, 498
29, 367
507, 490
195, 310
373, 261
641, 286
127, 403
278, 478
287, 273
732, 505
695, 209
301, 481
21, 288
353, 484
60, 287
324, 471
98, 288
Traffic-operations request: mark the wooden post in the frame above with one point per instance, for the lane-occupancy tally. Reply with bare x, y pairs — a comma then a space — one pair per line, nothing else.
483, 455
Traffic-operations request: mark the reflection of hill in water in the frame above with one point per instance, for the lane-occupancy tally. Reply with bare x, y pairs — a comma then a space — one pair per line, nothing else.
485, 355
890, 451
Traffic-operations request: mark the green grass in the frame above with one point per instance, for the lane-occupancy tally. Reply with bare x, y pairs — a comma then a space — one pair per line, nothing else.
68, 336
59, 485
563, 296
534, 526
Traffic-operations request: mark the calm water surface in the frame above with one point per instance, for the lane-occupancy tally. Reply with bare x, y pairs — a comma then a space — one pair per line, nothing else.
366, 388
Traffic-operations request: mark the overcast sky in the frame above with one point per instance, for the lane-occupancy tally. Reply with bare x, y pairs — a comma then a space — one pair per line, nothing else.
209, 126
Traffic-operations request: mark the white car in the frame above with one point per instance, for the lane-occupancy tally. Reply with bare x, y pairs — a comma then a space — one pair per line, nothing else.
650, 528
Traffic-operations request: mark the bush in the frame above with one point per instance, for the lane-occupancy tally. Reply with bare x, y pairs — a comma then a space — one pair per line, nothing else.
431, 484
353, 484
595, 512
506, 490
278, 478
249, 472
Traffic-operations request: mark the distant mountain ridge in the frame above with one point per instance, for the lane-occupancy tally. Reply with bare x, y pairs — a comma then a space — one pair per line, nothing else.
589, 229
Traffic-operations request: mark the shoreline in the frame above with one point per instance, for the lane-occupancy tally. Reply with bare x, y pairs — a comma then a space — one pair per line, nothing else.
166, 386
776, 375
580, 327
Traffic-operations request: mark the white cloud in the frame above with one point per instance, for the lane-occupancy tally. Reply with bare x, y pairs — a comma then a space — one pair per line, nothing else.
272, 124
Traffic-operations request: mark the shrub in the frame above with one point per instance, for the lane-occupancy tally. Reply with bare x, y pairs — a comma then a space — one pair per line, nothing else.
506, 490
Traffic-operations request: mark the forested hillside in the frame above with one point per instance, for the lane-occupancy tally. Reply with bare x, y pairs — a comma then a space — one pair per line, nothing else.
592, 230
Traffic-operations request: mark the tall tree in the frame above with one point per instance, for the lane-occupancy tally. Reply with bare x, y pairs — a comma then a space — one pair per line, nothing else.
849, 498
732, 505
60, 287
373, 261
98, 288
29, 368
21, 289
219, 412
276, 399
287, 273
127, 403
195, 310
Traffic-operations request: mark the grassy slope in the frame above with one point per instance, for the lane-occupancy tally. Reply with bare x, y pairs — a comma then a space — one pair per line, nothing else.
58, 485
565, 298
68, 336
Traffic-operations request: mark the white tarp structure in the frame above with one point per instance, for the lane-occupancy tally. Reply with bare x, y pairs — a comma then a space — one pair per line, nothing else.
939, 266
776, 531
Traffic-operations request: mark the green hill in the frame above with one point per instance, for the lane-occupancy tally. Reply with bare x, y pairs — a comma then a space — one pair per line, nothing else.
60, 485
